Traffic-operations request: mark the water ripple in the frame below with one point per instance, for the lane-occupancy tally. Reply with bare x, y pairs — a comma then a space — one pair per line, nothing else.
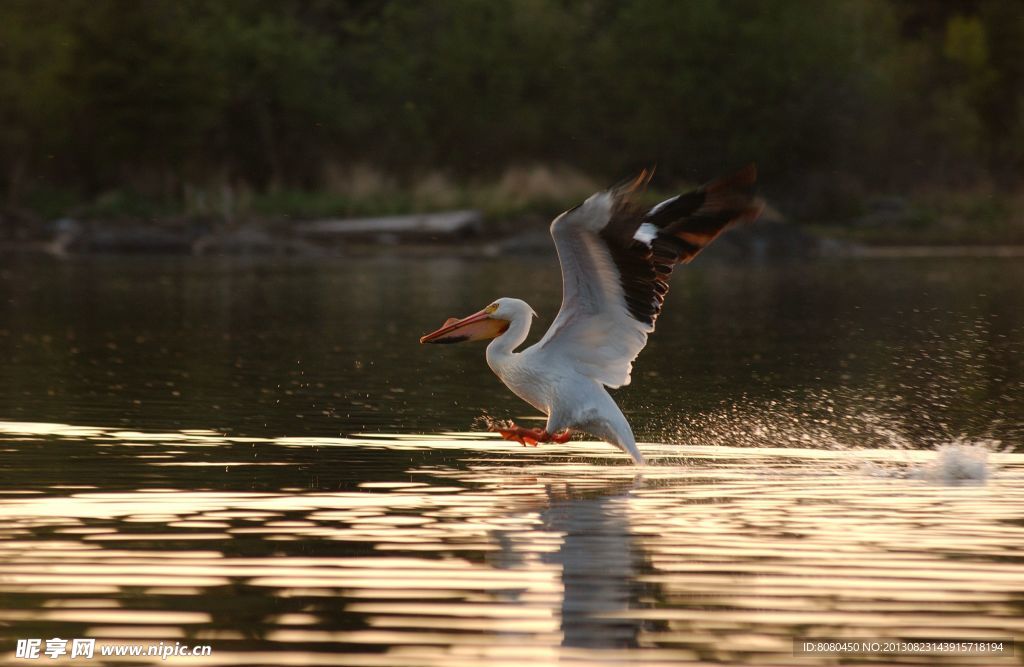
477, 552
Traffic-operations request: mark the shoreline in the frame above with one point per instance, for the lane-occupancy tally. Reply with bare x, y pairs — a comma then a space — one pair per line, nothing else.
452, 233
821, 247
938, 251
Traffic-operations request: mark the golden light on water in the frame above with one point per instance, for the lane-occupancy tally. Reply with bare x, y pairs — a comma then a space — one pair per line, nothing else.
502, 555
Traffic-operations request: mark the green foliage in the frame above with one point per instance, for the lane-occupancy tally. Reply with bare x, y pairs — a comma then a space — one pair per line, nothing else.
167, 97
124, 203
301, 204
942, 217
34, 55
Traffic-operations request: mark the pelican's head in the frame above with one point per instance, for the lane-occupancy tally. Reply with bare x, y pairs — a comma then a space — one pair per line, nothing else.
488, 323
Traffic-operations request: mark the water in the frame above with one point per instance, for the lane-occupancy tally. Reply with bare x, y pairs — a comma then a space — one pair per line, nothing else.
261, 458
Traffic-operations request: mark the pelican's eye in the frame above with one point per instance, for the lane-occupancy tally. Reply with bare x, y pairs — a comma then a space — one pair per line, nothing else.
491, 308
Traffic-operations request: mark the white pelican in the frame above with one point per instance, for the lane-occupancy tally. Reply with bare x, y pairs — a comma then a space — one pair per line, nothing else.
616, 259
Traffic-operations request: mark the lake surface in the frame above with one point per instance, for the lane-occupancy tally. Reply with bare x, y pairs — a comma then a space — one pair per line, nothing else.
260, 457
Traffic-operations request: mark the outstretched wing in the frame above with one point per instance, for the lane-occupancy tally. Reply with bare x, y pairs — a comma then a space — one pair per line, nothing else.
616, 260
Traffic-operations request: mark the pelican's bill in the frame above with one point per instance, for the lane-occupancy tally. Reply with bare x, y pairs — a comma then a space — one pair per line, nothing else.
478, 326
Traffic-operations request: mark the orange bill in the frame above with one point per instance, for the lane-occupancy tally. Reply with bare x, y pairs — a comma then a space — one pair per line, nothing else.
478, 326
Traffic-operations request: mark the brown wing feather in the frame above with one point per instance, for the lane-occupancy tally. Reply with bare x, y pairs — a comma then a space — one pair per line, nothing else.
684, 226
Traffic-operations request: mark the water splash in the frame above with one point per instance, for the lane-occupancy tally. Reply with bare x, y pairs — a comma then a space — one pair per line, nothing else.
486, 422
958, 463
924, 450
823, 423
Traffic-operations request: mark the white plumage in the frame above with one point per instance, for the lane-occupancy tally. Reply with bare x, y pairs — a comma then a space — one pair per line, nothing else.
616, 258
594, 329
646, 233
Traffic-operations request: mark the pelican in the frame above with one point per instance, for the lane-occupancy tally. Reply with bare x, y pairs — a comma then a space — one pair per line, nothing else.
616, 258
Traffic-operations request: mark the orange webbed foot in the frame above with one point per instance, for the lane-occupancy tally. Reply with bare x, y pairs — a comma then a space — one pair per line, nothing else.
529, 437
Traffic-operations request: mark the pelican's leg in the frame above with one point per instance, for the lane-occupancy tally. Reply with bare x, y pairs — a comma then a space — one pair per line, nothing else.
528, 436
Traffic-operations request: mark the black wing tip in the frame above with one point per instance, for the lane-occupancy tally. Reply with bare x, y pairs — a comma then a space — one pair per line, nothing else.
686, 224
735, 196
742, 180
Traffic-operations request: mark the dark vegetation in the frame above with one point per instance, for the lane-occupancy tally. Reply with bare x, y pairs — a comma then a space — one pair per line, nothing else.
277, 108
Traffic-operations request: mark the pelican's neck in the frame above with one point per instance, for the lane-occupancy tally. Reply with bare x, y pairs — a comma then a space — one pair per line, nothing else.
502, 348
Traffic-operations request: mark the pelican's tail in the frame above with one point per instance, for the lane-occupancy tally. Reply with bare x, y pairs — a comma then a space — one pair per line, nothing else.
628, 445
